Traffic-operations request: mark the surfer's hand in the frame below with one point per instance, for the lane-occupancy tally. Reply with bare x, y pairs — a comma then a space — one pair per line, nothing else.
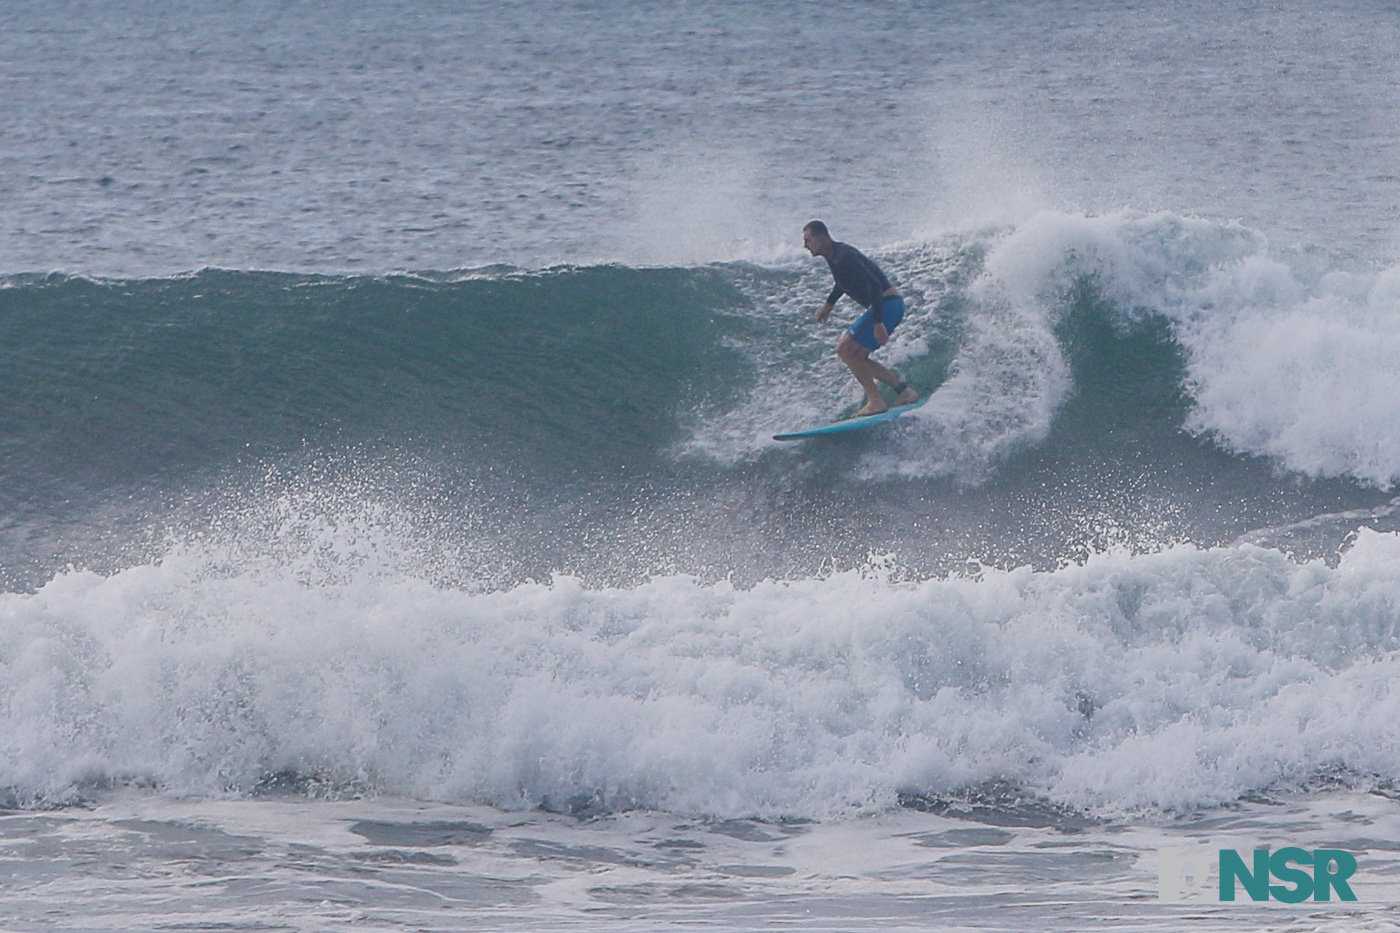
823, 312
882, 336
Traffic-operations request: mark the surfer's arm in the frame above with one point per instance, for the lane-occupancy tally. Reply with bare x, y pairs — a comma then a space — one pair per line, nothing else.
834, 296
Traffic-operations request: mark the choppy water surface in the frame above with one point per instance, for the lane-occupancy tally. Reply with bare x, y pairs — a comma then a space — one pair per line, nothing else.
391, 530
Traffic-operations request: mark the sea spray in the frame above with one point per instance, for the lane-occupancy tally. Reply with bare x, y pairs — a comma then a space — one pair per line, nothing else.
1168, 680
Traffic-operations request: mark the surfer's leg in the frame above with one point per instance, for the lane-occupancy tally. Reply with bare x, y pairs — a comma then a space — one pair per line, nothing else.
857, 359
855, 347
906, 394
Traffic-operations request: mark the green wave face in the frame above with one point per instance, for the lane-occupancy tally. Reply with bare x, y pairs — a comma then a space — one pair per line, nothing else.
614, 422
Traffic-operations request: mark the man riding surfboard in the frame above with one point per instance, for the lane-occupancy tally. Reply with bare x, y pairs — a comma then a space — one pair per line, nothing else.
856, 275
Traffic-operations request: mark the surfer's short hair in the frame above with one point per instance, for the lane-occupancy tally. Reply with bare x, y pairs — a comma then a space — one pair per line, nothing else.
817, 228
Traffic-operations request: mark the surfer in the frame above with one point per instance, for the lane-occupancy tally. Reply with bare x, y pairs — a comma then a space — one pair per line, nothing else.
856, 275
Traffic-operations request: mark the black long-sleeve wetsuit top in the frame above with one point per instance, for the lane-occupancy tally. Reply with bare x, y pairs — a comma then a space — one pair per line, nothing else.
856, 275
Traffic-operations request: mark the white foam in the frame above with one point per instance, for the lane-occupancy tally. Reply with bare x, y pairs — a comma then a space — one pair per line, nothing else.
1284, 359
1181, 677
1007, 382
1308, 375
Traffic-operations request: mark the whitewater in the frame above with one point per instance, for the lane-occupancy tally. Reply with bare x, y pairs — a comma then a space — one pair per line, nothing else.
392, 534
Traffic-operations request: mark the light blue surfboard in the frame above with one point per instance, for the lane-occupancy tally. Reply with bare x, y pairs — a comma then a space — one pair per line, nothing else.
851, 424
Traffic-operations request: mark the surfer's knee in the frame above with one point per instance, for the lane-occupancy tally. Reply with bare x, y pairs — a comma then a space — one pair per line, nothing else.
848, 349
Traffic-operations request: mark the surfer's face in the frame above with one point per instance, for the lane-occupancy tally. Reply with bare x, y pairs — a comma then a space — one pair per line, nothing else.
813, 242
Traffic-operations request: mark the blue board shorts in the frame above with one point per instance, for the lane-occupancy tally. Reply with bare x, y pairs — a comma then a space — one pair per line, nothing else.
863, 330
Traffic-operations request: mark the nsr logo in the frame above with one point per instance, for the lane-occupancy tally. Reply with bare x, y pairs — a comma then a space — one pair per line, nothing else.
1183, 873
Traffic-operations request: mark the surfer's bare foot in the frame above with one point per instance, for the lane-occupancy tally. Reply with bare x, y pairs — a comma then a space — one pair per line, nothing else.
867, 411
907, 397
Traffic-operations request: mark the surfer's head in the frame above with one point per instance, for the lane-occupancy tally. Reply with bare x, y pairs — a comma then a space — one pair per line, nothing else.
816, 238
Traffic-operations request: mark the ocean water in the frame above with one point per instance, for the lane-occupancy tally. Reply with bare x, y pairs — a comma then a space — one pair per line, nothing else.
391, 534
